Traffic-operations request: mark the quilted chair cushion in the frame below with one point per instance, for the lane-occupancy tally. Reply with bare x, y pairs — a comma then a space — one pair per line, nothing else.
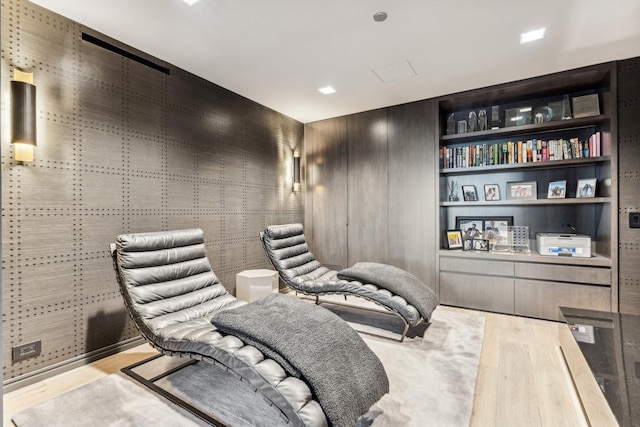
287, 250
172, 293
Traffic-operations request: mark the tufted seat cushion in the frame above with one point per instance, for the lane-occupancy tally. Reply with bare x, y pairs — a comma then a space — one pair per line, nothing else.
287, 250
172, 293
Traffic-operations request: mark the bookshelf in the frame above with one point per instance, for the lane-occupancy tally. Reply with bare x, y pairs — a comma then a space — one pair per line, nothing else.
543, 145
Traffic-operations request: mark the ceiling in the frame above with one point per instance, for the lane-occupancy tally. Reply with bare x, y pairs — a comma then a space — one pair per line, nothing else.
280, 52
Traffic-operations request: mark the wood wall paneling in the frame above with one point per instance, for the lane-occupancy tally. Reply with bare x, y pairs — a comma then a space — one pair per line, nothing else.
412, 174
326, 203
368, 209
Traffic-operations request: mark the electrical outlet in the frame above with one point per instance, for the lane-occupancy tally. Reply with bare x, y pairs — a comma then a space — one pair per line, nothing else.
634, 219
26, 351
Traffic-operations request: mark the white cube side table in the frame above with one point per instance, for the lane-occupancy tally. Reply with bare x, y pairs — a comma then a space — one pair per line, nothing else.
254, 284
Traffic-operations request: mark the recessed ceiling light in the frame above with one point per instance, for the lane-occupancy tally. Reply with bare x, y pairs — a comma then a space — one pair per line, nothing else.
190, 2
327, 90
532, 35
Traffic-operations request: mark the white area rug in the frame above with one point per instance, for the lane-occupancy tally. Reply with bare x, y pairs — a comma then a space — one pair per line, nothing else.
432, 381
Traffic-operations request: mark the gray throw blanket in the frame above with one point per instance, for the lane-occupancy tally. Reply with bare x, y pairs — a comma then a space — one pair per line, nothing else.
316, 345
396, 280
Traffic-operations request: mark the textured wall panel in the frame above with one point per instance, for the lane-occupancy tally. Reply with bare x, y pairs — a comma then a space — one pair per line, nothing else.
629, 179
122, 148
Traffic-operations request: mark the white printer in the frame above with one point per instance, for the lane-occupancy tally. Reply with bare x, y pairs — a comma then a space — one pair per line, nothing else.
558, 244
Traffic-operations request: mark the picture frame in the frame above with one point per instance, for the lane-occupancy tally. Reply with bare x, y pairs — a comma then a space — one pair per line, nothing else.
491, 192
557, 190
467, 244
481, 245
586, 188
469, 193
586, 106
453, 239
492, 228
522, 190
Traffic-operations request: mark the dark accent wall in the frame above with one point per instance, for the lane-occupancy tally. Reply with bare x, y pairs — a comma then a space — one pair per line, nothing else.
122, 147
629, 183
371, 189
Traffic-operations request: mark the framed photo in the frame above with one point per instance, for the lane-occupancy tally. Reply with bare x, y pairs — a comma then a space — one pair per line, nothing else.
524, 190
586, 188
469, 193
492, 228
453, 239
480, 245
586, 106
557, 190
467, 244
491, 192
471, 227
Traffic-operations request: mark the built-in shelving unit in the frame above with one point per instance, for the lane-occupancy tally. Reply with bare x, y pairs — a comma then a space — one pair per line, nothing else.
532, 284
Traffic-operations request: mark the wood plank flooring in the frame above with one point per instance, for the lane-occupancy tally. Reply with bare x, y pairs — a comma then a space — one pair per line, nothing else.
522, 379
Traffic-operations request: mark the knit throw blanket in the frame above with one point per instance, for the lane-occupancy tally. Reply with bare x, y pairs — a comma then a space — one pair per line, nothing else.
395, 280
315, 345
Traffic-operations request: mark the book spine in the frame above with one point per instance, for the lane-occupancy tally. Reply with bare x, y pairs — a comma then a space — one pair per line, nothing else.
518, 157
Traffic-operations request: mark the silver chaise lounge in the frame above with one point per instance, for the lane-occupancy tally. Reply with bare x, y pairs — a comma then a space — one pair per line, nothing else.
396, 290
172, 294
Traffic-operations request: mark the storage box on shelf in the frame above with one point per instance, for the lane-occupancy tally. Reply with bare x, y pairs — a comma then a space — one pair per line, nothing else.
532, 137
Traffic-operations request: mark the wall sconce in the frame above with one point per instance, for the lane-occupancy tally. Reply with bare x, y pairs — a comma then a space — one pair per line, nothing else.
296, 170
23, 115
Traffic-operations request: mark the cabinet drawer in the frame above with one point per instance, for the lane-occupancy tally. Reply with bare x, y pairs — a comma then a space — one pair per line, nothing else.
542, 299
480, 292
564, 273
477, 266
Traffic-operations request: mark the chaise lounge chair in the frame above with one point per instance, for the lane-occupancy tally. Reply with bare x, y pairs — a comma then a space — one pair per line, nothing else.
392, 288
174, 297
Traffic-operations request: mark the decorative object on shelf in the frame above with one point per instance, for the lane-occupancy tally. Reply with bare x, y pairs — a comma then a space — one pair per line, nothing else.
566, 108
453, 239
586, 106
517, 116
473, 121
471, 229
557, 190
482, 120
542, 114
451, 124
480, 245
492, 228
523, 190
462, 126
467, 244
495, 117
491, 192
517, 240
452, 186
469, 193
586, 188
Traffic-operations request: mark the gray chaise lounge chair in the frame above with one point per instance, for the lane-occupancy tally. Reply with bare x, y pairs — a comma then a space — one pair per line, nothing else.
172, 295
385, 285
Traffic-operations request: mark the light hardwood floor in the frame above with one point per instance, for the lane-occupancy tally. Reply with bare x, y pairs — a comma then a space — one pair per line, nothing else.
522, 379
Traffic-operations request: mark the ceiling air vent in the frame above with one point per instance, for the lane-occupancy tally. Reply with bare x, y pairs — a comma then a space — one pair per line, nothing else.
115, 49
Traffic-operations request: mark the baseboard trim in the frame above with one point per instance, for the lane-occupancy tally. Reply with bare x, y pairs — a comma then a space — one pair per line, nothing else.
61, 367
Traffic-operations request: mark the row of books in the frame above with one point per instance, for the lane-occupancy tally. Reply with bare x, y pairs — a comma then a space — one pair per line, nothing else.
513, 152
